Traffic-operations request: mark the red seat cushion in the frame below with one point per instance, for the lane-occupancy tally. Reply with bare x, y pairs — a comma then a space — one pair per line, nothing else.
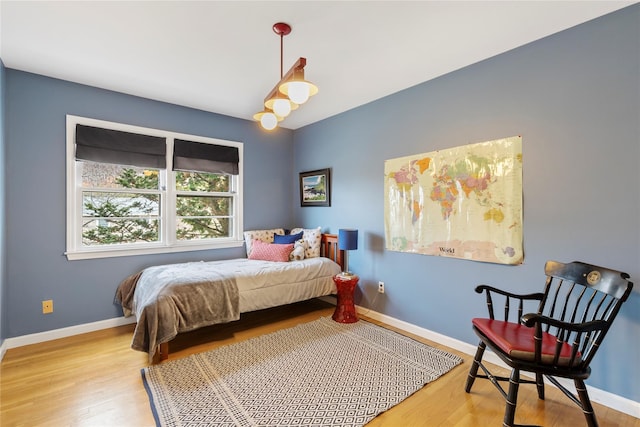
517, 341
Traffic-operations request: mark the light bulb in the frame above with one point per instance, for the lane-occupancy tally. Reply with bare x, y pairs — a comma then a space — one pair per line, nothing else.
298, 92
282, 107
269, 121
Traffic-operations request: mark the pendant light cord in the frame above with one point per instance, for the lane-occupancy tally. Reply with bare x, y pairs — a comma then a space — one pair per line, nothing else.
281, 55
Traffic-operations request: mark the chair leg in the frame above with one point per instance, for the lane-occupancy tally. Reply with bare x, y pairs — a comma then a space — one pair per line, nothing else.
540, 386
512, 399
586, 403
473, 371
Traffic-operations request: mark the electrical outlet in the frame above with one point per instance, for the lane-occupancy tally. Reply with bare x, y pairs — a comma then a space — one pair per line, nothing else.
381, 287
47, 306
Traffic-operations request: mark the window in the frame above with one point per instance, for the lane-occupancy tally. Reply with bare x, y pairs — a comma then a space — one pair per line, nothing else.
134, 190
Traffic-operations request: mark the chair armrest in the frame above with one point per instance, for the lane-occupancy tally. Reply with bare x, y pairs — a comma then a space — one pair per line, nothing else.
535, 296
530, 319
490, 291
583, 339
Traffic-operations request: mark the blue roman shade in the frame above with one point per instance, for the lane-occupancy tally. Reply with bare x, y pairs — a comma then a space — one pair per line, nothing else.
118, 147
200, 157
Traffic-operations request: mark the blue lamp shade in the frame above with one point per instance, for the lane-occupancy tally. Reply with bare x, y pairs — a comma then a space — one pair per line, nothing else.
347, 239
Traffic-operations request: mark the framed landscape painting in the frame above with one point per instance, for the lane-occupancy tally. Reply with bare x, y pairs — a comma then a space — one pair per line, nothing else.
315, 188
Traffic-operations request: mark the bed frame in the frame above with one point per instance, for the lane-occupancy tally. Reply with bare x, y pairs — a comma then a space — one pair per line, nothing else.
328, 249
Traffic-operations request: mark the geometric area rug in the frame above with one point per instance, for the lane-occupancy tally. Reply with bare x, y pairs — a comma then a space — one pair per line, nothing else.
320, 373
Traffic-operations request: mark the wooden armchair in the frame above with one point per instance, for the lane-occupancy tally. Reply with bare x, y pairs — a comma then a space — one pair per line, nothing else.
559, 338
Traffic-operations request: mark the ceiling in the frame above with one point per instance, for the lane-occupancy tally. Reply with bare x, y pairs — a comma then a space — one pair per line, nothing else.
223, 57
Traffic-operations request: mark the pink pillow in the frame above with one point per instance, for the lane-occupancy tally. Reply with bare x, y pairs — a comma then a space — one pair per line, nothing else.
270, 251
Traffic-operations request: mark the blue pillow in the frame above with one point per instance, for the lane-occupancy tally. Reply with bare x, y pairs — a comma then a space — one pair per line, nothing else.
286, 239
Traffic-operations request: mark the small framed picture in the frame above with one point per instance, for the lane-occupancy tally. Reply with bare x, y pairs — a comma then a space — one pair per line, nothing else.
315, 188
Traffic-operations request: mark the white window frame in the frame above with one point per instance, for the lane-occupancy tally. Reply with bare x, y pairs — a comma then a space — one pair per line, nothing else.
168, 242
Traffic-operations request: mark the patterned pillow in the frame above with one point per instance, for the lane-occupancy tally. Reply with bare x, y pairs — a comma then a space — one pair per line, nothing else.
312, 237
270, 251
299, 248
262, 235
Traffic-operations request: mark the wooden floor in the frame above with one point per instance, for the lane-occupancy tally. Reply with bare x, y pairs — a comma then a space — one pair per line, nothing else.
94, 380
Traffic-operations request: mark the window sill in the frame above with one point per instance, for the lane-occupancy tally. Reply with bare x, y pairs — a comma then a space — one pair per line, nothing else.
110, 253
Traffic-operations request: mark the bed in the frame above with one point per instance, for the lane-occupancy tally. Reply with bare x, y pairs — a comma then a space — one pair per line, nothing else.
170, 299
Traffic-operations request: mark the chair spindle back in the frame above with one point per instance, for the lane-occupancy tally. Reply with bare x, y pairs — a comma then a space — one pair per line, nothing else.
583, 293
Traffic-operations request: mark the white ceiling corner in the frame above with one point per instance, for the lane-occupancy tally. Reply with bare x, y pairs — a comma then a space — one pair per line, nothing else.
223, 57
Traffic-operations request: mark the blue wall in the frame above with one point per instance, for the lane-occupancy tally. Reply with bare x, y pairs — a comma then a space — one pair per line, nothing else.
83, 291
575, 99
3, 286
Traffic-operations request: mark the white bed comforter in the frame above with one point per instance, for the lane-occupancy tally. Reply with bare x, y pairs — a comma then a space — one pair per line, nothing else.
264, 284
176, 298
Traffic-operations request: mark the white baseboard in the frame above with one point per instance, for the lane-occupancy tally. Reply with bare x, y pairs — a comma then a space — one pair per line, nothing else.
602, 397
63, 333
3, 349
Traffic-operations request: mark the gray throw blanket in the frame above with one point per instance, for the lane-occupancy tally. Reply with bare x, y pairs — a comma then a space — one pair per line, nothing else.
170, 299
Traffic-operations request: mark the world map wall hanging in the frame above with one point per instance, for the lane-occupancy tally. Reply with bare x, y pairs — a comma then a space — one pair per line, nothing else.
463, 202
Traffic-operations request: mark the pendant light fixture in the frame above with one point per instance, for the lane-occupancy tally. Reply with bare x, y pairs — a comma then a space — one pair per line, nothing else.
289, 92
267, 118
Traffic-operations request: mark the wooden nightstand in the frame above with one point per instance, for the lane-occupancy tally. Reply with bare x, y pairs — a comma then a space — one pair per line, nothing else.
345, 309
